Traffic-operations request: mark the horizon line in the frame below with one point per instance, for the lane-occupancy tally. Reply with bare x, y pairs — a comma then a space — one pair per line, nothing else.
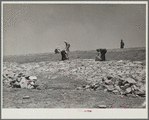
71, 51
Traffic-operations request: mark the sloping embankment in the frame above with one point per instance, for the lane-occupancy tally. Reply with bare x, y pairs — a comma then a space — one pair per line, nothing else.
132, 54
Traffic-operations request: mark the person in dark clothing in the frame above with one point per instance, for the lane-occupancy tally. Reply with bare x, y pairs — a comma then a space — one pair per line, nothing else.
101, 52
122, 44
57, 50
67, 46
64, 55
98, 56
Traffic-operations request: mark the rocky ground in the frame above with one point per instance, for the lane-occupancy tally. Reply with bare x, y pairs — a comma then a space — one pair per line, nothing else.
76, 83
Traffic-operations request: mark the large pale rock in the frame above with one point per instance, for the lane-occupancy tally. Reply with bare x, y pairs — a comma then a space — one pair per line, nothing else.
120, 61
125, 86
102, 106
87, 87
23, 83
134, 87
130, 80
137, 62
33, 78
108, 82
117, 88
116, 92
140, 93
30, 86
144, 104
109, 77
110, 88
128, 90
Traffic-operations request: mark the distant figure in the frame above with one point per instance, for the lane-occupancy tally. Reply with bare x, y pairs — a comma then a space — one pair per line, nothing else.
57, 50
67, 46
122, 44
100, 55
64, 54
98, 58
103, 52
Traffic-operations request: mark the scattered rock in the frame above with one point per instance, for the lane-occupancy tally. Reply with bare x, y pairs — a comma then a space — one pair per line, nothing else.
117, 88
120, 61
134, 87
125, 86
144, 104
137, 62
33, 78
79, 88
116, 92
108, 82
130, 80
87, 86
102, 106
23, 83
128, 90
110, 76
105, 90
26, 97
140, 93
110, 88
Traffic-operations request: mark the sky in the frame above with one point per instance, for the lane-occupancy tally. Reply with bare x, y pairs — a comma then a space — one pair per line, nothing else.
40, 28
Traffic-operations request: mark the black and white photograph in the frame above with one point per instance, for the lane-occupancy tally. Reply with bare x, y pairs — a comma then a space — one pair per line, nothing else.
73, 59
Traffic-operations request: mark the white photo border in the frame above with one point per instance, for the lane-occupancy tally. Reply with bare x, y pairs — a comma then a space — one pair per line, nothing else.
75, 113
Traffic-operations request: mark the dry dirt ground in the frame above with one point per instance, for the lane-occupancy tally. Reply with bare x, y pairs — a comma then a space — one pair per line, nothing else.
62, 93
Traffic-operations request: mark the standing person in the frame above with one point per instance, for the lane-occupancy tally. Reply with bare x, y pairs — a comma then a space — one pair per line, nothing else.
122, 44
67, 46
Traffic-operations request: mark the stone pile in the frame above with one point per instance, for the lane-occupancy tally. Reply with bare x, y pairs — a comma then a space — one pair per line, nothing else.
119, 77
118, 85
20, 81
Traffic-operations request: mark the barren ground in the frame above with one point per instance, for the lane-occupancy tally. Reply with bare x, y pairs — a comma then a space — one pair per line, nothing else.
62, 93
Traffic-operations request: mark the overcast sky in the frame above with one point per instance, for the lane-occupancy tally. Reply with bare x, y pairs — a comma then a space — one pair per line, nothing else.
40, 28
